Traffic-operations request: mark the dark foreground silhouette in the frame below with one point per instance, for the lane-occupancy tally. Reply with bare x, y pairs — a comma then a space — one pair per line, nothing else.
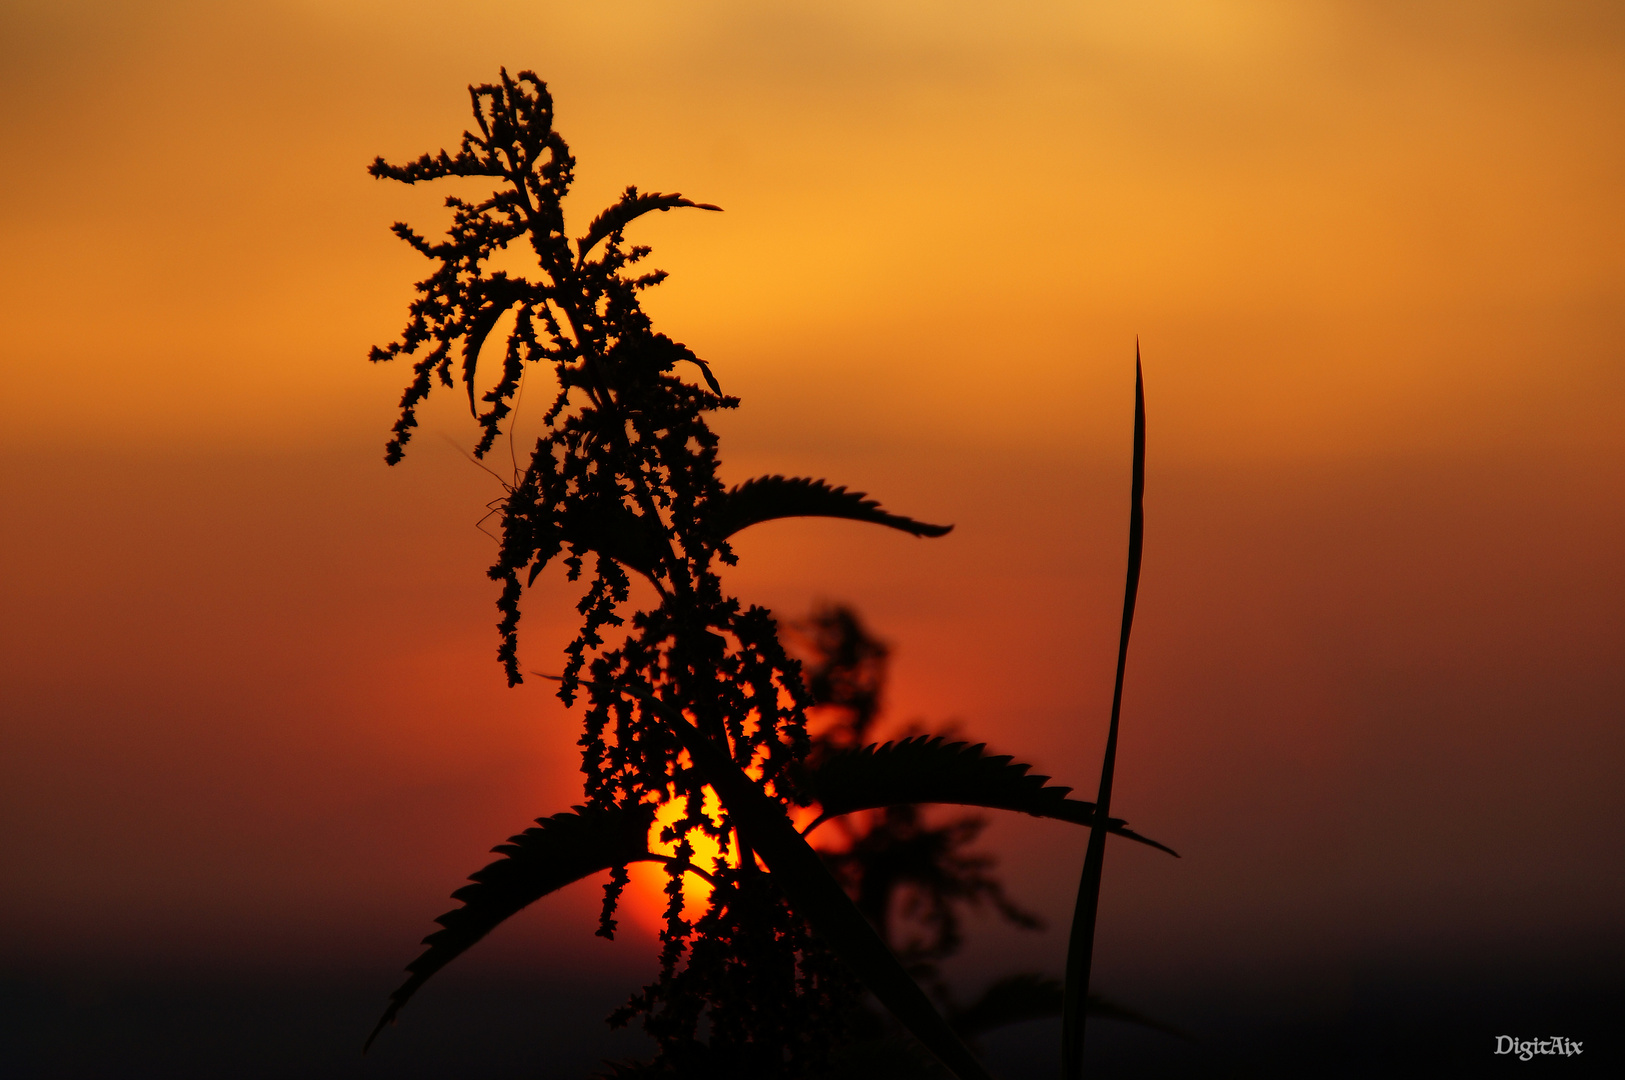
699, 705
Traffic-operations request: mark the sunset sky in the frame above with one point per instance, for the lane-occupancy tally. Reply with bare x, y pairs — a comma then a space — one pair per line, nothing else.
251, 722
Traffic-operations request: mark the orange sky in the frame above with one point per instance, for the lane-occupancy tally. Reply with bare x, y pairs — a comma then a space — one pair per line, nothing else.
1375, 254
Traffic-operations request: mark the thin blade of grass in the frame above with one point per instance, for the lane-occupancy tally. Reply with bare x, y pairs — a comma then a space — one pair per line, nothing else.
1080, 949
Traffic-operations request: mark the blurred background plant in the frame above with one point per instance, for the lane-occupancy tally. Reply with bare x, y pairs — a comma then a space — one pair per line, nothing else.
916, 873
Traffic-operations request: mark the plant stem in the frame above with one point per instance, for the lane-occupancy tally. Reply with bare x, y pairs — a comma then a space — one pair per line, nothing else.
1080, 949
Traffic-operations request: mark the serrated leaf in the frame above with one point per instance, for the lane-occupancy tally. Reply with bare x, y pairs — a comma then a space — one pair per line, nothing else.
631, 207
1011, 1000
657, 352
494, 298
767, 498
930, 769
610, 528
1018, 998
705, 370
558, 851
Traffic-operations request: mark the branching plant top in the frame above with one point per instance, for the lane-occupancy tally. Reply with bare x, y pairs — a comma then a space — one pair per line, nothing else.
700, 698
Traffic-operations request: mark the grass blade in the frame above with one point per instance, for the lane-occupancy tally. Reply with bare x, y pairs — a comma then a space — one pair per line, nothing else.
1080, 949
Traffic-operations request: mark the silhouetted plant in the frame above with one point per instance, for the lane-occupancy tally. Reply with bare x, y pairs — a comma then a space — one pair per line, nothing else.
892, 861
700, 695
912, 878
1080, 946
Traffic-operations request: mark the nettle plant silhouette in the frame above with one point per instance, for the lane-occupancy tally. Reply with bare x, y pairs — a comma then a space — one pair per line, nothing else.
914, 877
699, 706
910, 878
